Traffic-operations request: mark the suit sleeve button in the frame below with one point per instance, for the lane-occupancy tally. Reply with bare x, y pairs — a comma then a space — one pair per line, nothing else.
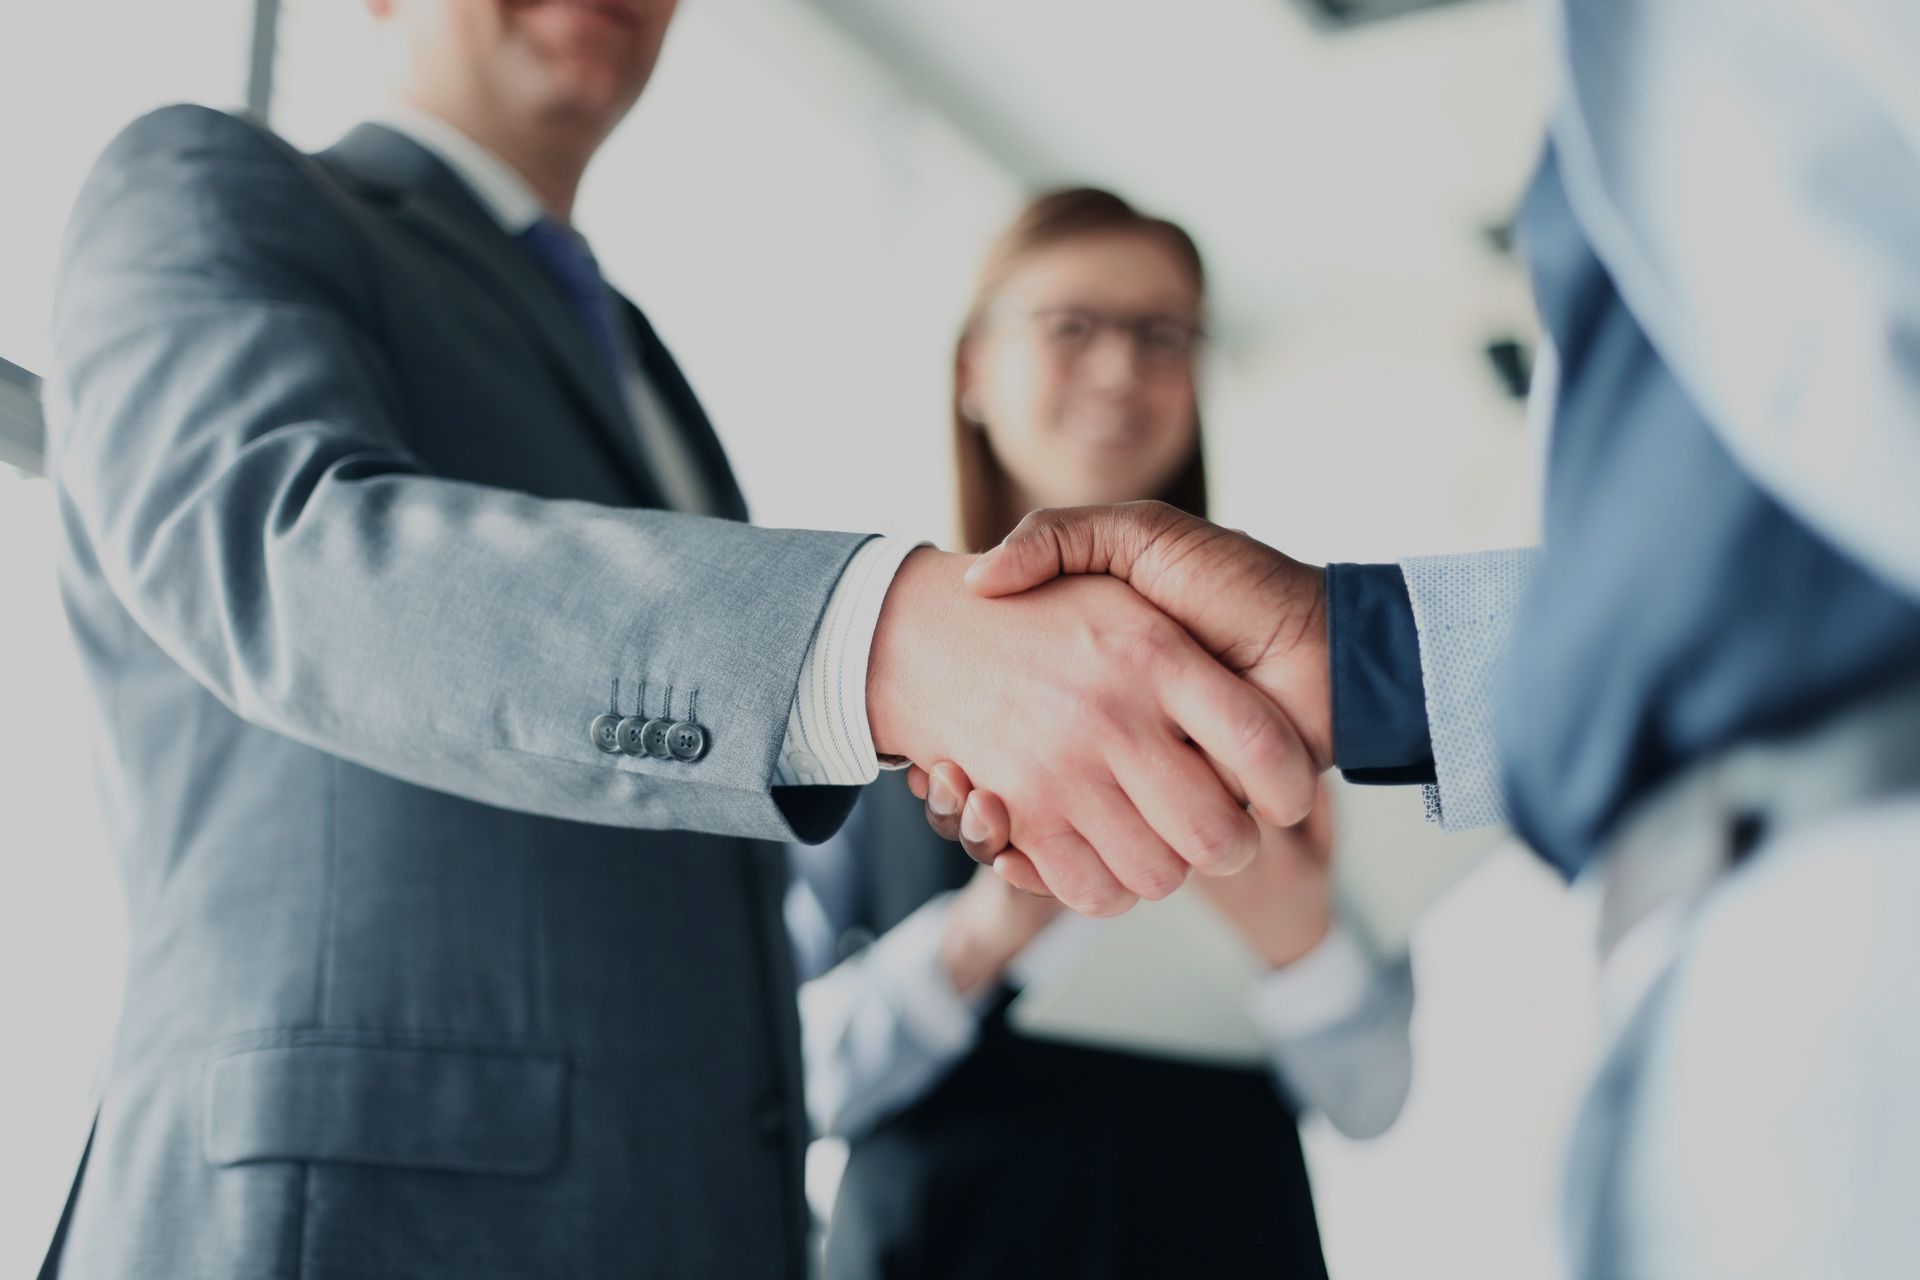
605, 732
632, 735
687, 741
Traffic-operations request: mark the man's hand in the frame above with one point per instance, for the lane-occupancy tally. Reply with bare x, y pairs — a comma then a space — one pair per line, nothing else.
1118, 746
1281, 903
1262, 613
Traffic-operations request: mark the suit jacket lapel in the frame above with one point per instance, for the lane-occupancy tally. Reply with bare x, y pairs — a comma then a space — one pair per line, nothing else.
659, 366
426, 196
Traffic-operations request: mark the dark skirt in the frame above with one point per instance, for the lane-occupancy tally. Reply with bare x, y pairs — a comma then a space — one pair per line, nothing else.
1041, 1159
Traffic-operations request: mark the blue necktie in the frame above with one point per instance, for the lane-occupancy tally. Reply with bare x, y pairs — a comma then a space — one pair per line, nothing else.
571, 263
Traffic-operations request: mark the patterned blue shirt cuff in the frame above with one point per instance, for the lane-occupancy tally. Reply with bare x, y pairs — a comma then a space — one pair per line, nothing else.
829, 742
1380, 730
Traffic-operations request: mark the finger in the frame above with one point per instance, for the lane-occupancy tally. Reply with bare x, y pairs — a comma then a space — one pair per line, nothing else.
1195, 816
1248, 737
1047, 544
1128, 841
1017, 869
917, 781
985, 828
1074, 873
947, 788
1316, 829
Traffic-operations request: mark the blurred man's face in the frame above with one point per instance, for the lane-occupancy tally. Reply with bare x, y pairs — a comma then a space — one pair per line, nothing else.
581, 61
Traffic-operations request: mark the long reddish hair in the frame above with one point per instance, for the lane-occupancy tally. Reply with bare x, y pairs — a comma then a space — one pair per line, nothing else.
988, 506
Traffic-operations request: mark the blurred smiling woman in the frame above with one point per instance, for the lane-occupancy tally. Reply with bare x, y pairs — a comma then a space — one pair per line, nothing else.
976, 1150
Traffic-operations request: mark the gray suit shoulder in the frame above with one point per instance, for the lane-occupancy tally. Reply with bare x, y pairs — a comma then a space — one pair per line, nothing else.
179, 149
187, 132
187, 190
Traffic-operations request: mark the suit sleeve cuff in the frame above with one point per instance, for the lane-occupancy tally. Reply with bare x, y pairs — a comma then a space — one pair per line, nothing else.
1321, 989
1380, 730
829, 742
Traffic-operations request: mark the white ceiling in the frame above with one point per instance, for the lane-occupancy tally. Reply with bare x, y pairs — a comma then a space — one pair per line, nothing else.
1319, 170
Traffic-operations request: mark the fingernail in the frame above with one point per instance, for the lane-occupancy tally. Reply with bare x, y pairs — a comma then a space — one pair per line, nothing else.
941, 800
972, 826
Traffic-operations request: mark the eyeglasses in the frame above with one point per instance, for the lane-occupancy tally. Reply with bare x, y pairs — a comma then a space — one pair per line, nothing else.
1164, 344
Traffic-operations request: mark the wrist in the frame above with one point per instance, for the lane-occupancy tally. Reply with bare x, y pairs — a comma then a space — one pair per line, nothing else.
969, 961
924, 589
1314, 716
1281, 948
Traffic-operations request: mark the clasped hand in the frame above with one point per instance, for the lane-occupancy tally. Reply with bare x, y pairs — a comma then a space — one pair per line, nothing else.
1114, 697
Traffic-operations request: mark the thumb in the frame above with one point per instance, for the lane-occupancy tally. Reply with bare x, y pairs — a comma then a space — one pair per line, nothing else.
1032, 554
1048, 544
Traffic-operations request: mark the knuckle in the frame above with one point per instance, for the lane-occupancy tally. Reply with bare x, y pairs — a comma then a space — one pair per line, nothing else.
1105, 903
1220, 842
1160, 879
1099, 713
1303, 793
1048, 522
1153, 643
1153, 512
1071, 870
1264, 739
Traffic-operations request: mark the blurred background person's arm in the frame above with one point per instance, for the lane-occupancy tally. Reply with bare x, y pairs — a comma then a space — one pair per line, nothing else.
1335, 1016
880, 1027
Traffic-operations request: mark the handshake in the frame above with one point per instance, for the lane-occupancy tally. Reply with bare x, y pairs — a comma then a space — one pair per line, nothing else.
1113, 697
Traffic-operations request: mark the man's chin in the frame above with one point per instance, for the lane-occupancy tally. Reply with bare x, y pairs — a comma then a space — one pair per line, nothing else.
585, 92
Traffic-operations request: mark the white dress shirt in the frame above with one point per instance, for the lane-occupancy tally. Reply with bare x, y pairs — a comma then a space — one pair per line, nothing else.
828, 741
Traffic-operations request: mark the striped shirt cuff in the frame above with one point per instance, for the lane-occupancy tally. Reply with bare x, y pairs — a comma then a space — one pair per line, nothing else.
829, 742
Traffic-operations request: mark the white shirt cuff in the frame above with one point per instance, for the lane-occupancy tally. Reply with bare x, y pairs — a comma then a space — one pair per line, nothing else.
905, 960
1327, 985
829, 742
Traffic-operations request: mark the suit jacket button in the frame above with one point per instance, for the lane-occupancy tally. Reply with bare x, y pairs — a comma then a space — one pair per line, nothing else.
654, 737
605, 732
632, 736
687, 741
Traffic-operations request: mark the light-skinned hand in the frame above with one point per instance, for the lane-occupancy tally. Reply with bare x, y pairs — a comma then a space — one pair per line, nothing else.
1118, 750
1257, 610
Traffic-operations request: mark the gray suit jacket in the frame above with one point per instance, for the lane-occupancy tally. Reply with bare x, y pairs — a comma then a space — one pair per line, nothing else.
356, 540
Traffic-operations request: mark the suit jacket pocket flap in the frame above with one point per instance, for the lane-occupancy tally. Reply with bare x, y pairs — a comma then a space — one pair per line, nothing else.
461, 1109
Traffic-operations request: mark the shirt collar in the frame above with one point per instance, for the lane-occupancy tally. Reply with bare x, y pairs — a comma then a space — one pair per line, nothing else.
493, 182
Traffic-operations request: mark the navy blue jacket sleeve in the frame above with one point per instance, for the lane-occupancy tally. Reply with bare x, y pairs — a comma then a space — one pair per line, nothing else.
1379, 700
